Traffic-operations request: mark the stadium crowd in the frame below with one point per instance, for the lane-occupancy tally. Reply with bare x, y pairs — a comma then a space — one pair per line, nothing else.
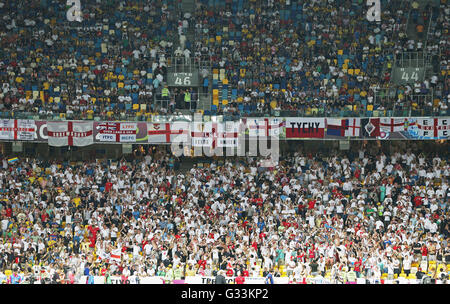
342, 216
316, 57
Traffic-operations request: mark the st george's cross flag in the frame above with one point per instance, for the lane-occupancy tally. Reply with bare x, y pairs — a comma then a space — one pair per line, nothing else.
17, 129
433, 128
168, 132
70, 133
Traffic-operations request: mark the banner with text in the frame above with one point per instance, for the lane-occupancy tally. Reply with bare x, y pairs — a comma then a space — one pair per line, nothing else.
224, 133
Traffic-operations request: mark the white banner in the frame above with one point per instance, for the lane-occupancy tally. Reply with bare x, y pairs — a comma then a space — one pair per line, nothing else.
231, 280
354, 127
228, 133
393, 124
6, 129
215, 134
264, 127
201, 134
168, 132
433, 128
25, 129
70, 133
18, 129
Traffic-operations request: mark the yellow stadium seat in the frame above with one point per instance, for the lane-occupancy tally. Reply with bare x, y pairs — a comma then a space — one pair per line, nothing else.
136, 106
225, 81
224, 102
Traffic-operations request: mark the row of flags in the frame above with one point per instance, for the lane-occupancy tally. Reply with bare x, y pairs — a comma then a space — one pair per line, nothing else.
221, 134
381, 128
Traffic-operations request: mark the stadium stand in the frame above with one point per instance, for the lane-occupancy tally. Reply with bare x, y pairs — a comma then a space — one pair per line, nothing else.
368, 206
252, 57
338, 216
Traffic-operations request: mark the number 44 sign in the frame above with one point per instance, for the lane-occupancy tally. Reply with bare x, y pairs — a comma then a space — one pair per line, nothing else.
374, 11
410, 75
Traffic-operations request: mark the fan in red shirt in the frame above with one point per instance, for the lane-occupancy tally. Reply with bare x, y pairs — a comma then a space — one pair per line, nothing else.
240, 279
418, 201
202, 263
424, 250
108, 186
9, 211
311, 204
255, 245
93, 237
358, 265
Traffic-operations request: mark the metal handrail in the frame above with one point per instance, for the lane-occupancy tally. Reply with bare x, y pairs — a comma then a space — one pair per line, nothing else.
158, 117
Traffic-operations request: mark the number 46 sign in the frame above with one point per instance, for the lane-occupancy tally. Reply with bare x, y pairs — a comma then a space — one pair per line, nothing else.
183, 79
